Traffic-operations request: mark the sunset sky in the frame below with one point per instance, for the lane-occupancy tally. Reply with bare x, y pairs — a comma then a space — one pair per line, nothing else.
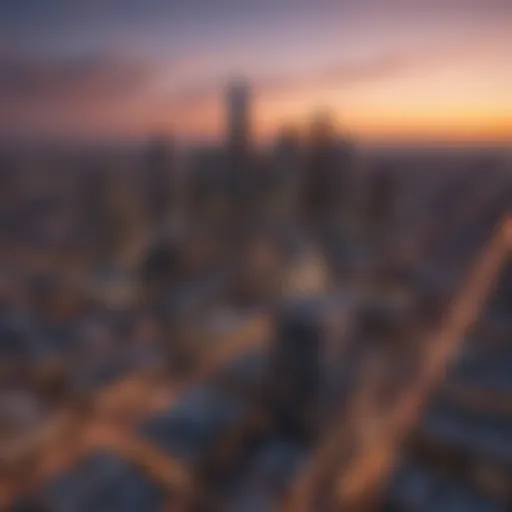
387, 69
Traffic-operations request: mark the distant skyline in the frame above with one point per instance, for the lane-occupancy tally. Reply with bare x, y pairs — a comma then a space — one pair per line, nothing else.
389, 70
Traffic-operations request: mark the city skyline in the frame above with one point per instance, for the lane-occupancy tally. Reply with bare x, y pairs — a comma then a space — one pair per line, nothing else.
388, 71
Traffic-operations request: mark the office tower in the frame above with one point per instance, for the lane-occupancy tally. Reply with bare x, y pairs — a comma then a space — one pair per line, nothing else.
238, 123
323, 181
242, 194
297, 367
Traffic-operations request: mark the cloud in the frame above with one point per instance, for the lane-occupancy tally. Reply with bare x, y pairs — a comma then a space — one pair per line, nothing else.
73, 95
28, 80
379, 68
344, 73
362, 72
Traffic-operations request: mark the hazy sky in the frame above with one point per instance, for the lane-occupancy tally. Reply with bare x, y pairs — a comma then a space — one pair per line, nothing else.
388, 69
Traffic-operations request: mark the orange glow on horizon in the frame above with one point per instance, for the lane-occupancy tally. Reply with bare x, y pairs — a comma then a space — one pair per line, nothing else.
382, 114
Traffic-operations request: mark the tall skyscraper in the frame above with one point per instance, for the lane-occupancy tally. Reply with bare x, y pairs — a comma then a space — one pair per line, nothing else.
242, 194
326, 174
297, 366
238, 123
320, 187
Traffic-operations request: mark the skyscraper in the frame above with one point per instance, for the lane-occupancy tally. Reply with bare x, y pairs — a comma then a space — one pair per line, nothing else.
241, 190
320, 187
238, 123
309, 331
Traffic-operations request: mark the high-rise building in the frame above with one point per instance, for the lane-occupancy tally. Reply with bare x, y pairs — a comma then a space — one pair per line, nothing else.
322, 188
241, 190
297, 366
238, 122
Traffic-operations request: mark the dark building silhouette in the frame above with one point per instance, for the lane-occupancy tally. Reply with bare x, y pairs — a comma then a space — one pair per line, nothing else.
322, 188
242, 191
297, 367
238, 123
287, 172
